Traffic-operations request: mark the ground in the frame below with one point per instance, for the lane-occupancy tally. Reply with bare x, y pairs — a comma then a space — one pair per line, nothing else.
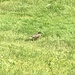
53, 53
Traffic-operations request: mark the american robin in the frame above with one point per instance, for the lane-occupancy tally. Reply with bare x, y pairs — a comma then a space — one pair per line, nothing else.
36, 36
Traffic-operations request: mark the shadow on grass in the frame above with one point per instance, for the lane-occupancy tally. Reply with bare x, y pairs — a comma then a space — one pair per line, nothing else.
30, 39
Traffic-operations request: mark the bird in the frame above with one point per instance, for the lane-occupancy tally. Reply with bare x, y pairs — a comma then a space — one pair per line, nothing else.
36, 36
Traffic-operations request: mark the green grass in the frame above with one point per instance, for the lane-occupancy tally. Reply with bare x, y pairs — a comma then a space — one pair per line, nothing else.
53, 53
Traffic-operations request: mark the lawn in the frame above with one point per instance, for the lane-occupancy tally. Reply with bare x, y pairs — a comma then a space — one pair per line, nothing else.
53, 53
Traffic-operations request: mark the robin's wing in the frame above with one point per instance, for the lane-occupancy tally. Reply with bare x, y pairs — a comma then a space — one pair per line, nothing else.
36, 36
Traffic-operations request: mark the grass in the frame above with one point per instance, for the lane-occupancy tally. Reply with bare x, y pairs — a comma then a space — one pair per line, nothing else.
53, 53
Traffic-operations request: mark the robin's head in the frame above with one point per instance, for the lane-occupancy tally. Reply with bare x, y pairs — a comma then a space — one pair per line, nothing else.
39, 32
